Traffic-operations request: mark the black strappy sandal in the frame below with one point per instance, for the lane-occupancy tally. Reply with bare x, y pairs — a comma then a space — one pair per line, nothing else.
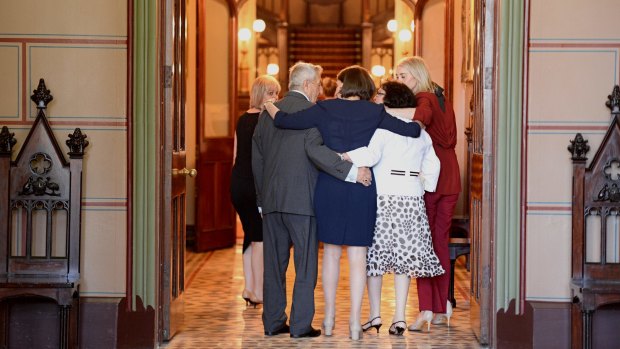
368, 325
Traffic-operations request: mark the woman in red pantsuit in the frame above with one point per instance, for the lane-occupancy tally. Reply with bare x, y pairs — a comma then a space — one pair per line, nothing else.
436, 113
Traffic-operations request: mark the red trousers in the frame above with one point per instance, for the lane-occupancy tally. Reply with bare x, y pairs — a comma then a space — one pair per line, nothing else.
433, 292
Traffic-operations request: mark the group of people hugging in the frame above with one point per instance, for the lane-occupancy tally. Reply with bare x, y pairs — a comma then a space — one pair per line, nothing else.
373, 169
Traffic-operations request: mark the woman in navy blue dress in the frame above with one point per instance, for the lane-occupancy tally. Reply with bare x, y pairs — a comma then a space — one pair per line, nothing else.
345, 212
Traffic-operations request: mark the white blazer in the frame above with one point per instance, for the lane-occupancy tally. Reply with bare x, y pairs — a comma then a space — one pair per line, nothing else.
401, 165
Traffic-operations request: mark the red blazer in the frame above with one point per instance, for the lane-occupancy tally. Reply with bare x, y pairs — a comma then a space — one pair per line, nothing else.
441, 126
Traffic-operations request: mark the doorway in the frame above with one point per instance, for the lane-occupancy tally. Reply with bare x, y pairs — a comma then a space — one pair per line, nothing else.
216, 105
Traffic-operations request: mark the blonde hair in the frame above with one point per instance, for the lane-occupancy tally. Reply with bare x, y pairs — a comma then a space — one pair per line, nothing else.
259, 87
417, 68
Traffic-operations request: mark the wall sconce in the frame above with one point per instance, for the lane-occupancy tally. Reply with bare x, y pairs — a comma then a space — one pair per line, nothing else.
244, 36
273, 69
392, 25
405, 36
378, 70
259, 25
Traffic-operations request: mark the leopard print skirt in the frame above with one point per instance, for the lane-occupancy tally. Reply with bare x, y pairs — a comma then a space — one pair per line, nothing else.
402, 243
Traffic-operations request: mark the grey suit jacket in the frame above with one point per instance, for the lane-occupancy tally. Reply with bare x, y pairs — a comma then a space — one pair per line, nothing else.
284, 175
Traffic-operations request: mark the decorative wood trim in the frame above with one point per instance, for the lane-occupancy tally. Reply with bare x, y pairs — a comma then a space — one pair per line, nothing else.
448, 62
418, 10
411, 4
417, 17
524, 152
201, 67
130, 154
233, 73
365, 11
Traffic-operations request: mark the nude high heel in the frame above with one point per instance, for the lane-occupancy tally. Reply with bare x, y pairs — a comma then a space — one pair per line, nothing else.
355, 332
424, 318
440, 319
328, 326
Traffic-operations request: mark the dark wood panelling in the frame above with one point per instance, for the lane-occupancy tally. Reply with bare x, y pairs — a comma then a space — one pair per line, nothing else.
605, 327
215, 216
514, 331
98, 320
28, 314
551, 327
135, 329
542, 325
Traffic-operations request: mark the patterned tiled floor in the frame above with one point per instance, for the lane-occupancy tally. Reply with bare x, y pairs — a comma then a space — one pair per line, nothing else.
217, 317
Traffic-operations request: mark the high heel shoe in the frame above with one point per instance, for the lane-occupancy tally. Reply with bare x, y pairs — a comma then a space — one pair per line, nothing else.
247, 296
397, 330
355, 332
440, 319
328, 326
255, 301
425, 317
370, 324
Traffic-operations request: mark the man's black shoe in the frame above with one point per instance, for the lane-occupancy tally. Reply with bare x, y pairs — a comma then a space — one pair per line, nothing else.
283, 329
312, 333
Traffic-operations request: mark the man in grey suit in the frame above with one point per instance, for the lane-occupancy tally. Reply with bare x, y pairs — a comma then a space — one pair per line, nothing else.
284, 163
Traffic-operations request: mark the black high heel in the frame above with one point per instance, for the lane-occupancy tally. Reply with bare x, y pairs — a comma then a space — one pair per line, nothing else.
255, 302
368, 325
247, 296
397, 330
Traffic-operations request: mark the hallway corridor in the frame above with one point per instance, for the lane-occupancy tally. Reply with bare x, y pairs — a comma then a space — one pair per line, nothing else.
216, 316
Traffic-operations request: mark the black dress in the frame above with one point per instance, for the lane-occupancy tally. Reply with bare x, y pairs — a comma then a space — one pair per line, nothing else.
242, 190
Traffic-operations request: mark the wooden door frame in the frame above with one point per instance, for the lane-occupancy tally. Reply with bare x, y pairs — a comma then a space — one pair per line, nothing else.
201, 103
448, 64
214, 154
170, 97
487, 46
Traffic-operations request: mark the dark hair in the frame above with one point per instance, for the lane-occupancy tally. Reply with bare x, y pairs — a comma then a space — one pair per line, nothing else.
356, 81
398, 95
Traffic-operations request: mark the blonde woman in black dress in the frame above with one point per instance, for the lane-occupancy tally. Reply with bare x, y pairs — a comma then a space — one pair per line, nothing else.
243, 192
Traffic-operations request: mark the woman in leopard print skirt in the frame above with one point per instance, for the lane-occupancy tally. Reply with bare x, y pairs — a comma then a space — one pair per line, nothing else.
404, 168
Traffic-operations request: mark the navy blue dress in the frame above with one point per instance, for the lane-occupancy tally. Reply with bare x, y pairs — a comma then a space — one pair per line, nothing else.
345, 212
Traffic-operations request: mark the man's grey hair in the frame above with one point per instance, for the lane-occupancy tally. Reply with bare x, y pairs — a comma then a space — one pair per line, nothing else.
301, 72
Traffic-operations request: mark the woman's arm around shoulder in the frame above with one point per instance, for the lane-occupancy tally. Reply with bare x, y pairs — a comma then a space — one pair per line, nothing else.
424, 109
300, 120
407, 129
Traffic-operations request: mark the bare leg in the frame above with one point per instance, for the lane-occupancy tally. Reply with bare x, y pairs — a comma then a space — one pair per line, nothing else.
401, 290
374, 296
331, 274
357, 275
257, 270
247, 272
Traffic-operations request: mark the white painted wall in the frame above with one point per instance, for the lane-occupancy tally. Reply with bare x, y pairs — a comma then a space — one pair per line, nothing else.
573, 65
